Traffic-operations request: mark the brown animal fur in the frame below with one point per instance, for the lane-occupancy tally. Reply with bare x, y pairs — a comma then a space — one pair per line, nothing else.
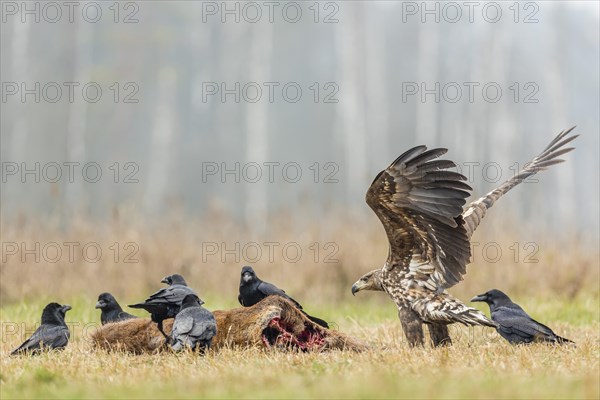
137, 335
273, 322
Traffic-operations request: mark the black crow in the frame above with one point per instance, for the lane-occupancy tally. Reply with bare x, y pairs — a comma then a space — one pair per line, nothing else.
167, 301
194, 326
111, 310
174, 279
514, 324
253, 290
53, 333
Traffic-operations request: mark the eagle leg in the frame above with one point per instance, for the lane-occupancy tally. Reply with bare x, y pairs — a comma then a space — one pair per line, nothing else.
412, 326
439, 335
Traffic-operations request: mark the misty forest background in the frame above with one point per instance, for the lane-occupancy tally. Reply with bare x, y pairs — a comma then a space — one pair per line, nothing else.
174, 130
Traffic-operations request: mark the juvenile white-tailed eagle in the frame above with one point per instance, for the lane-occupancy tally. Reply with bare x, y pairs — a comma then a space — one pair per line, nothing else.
419, 201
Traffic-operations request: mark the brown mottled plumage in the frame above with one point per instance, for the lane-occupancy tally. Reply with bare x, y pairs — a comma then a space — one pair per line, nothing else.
420, 203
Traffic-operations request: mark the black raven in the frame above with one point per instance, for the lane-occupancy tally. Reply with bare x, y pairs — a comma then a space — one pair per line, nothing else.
167, 301
194, 326
53, 333
111, 310
253, 290
174, 279
514, 324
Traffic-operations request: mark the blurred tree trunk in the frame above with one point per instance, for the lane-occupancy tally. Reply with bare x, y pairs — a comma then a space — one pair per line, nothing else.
77, 115
19, 131
19, 71
564, 199
427, 76
351, 125
163, 141
376, 88
257, 124
199, 132
227, 130
500, 143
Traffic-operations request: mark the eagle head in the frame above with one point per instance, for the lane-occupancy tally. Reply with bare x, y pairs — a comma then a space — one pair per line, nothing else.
369, 281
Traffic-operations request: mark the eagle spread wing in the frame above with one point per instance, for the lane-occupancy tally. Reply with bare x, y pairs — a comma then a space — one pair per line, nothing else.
476, 210
419, 201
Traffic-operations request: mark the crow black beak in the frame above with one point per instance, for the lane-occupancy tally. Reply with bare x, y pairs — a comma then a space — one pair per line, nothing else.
100, 304
165, 280
481, 297
66, 308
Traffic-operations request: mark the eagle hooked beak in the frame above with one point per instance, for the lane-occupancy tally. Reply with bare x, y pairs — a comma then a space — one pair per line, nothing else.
357, 287
368, 281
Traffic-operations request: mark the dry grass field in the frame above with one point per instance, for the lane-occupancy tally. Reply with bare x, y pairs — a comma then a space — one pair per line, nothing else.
560, 289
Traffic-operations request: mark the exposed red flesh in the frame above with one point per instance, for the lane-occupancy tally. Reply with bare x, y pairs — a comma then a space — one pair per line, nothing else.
309, 339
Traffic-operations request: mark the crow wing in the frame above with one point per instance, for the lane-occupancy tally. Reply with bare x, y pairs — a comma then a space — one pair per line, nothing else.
193, 325
172, 294
168, 296
52, 336
205, 326
419, 201
115, 316
269, 289
123, 316
184, 323
515, 323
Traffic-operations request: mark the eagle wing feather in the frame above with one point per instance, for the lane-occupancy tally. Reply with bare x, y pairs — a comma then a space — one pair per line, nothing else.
419, 201
476, 210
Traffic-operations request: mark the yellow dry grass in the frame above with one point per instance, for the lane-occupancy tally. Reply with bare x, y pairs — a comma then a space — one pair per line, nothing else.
478, 365
561, 289
335, 252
